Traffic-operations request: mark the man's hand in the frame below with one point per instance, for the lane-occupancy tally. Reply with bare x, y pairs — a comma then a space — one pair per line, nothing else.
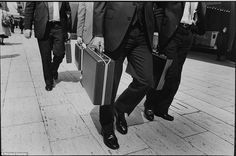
79, 40
98, 43
155, 41
28, 33
68, 36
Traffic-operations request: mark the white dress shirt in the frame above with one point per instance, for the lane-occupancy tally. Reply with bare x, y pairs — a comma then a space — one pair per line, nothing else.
56, 15
55, 11
188, 15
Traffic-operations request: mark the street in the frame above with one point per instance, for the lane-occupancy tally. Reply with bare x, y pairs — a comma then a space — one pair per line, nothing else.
64, 121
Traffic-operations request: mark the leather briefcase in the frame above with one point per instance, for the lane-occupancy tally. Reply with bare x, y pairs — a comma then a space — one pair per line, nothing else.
68, 52
98, 75
78, 56
161, 65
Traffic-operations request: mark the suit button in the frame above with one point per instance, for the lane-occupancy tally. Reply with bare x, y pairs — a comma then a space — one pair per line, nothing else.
129, 18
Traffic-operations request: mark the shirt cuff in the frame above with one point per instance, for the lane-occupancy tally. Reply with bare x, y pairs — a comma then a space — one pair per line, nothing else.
155, 33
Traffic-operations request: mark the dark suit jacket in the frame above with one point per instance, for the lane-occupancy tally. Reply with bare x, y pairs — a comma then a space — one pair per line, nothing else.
37, 12
112, 19
168, 16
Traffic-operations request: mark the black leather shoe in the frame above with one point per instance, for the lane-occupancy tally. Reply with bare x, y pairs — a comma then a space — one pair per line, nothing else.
148, 114
110, 140
55, 75
165, 116
121, 124
49, 87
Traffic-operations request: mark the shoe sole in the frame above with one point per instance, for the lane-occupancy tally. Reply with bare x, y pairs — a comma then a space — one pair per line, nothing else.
164, 118
148, 118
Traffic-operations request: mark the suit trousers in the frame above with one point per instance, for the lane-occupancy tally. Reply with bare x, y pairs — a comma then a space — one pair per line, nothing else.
136, 48
177, 49
52, 41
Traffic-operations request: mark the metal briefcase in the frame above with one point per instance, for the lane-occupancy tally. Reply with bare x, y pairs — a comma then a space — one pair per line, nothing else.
68, 52
160, 68
98, 76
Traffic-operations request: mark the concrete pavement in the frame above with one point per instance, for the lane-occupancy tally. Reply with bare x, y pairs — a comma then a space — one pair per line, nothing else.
64, 121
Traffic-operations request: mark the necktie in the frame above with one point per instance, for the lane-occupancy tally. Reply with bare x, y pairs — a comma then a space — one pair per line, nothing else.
50, 10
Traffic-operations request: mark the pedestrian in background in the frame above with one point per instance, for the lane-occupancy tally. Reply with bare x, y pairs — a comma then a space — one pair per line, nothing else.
21, 24
52, 24
16, 22
12, 20
4, 28
85, 22
222, 43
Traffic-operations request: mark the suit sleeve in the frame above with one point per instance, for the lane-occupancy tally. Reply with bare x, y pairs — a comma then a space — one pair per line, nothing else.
98, 18
158, 11
29, 14
69, 18
81, 18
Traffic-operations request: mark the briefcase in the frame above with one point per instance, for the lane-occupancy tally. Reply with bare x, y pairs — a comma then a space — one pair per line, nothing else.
161, 65
68, 52
78, 56
98, 75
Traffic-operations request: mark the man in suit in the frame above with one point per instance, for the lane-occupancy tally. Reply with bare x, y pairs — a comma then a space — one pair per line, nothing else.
52, 24
85, 22
126, 30
12, 20
178, 23
222, 43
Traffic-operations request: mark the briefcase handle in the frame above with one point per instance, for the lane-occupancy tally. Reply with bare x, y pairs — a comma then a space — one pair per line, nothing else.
82, 46
158, 54
104, 57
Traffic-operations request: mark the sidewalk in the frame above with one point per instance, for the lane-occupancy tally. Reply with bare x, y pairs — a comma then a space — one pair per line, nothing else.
64, 121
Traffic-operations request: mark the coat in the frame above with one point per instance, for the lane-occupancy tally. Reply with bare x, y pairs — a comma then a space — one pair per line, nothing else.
112, 20
170, 16
37, 12
85, 21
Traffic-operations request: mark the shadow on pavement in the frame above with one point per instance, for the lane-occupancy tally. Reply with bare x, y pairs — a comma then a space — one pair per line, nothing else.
9, 56
210, 58
76, 74
135, 118
95, 118
69, 76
